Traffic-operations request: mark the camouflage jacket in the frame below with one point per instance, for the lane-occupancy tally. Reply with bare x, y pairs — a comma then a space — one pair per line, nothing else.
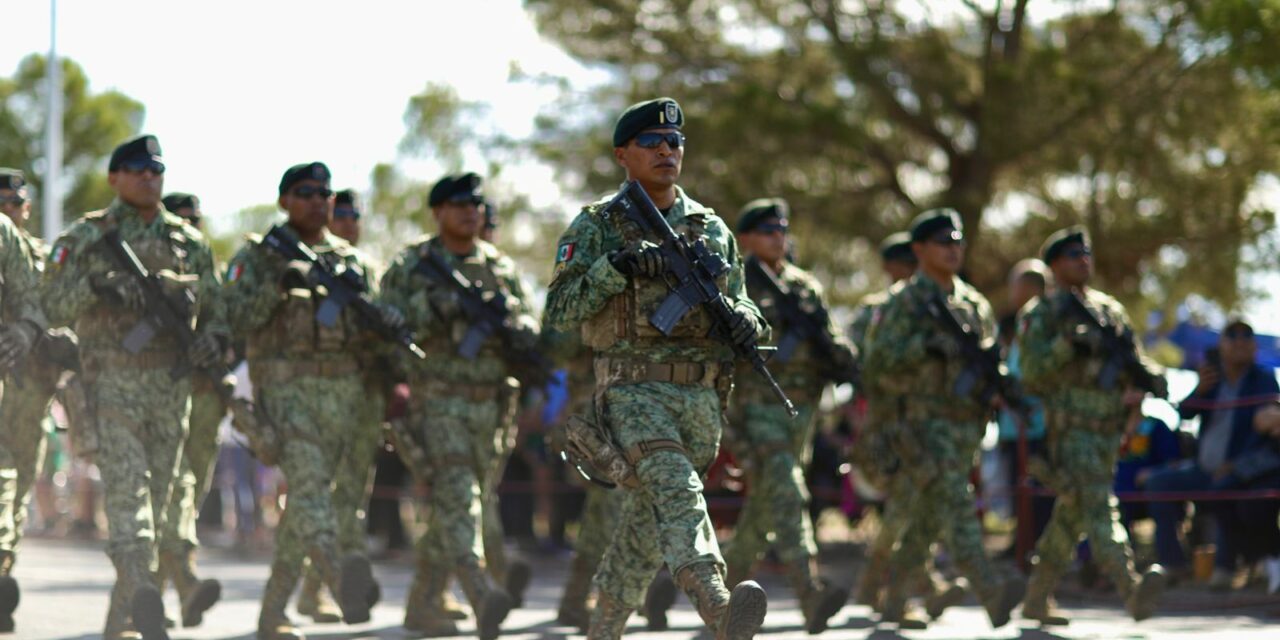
612, 311
166, 243
905, 348
431, 311
19, 277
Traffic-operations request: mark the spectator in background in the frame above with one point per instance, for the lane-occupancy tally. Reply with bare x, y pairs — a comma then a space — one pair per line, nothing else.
1148, 445
1259, 517
1232, 388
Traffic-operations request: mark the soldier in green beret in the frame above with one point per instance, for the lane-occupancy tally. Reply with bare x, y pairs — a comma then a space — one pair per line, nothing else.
658, 397
913, 364
29, 378
1068, 341
141, 410
774, 447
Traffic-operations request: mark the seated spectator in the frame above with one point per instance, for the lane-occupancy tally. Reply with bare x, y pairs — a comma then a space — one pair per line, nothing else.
1228, 395
1258, 518
1148, 445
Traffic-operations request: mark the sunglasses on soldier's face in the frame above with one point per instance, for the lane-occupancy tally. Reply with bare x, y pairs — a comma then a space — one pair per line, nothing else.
674, 139
308, 191
15, 200
138, 166
1077, 253
771, 227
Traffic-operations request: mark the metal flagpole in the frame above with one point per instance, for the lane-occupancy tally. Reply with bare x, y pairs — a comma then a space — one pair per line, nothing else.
53, 133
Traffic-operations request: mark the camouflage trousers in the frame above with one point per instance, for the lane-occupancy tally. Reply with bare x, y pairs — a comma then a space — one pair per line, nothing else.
1083, 463
665, 519
491, 516
777, 497
319, 419
601, 512
24, 408
195, 471
939, 503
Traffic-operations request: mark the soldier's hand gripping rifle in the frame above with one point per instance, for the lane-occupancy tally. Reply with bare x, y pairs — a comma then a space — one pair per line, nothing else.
344, 288
803, 325
487, 314
692, 269
983, 376
1119, 348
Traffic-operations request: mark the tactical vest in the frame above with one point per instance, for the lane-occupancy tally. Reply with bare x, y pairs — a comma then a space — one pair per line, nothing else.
293, 333
626, 316
931, 387
479, 269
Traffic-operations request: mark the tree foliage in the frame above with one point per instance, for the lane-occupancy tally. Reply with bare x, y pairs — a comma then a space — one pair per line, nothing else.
93, 124
1123, 118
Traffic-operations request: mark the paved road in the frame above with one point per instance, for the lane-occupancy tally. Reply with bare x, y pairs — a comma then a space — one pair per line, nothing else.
65, 594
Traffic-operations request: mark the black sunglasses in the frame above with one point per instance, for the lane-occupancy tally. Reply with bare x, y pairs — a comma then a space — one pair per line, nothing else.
138, 166
12, 200
1074, 254
1238, 333
346, 213
674, 139
308, 191
770, 227
467, 198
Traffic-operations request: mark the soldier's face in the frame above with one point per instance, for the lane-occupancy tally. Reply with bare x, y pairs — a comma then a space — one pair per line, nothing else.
1074, 266
309, 204
657, 166
899, 269
15, 205
935, 255
461, 220
346, 227
767, 242
192, 216
141, 187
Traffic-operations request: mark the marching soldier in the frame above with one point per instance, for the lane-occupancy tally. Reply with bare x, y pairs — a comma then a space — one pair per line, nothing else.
775, 447
658, 396
913, 363
303, 351
1079, 355
29, 380
463, 398
141, 408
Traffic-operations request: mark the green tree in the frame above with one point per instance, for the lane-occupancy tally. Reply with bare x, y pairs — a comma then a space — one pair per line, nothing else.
862, 114
92, 123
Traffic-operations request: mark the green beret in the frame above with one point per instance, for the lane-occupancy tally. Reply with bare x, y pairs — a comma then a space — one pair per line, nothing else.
897, 248
141, 148
457, 188
12, 179
928, 224
307, 171
757, 211
178, 200
1060, 240
660, 112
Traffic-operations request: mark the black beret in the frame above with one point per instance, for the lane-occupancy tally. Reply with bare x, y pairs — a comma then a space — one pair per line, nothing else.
897, 248
1060, 240
660, 112
490, 215
757, 211
463, 187
929, 223
178, 200
306, 171
145, 147
348, 198
12, 179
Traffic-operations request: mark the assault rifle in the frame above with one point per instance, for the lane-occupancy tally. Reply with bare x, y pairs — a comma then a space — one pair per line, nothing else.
692, 269
982, 378
801, 325
1120, 348
487, 314
345, 288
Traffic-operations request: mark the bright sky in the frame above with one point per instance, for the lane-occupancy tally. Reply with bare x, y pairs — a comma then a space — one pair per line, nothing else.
238, 91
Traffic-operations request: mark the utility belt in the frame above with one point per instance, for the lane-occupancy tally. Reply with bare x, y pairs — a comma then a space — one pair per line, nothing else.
428, 389
948, 407
278, 369
98, 361
611, 371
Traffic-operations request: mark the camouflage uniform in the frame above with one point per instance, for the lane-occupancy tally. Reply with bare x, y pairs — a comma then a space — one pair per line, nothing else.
141, 411
659, 398
912, 365
458, 418
777, 449
311, 391
1084, 424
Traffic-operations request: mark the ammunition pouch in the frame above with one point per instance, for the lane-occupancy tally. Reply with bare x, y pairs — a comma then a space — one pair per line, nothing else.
82, 417
586, 443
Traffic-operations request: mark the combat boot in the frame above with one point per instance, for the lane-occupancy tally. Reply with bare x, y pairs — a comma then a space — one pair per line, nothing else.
117, 625
422, 615
575, 610
1001, 598
490, 602
273, 624
315, 602
1039, 604
516, 579
819, 600
1143, 597
197, 596
896, 610
608, 619
9, 594
136, 604
658, 598
871, 581
351, 580
942, 596
730, 616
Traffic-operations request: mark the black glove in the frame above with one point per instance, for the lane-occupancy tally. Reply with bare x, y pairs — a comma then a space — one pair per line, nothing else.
119, 289
16, 341
639, 259
743, 330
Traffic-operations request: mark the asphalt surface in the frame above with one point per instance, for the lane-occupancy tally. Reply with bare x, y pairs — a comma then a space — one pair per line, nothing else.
65, 585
